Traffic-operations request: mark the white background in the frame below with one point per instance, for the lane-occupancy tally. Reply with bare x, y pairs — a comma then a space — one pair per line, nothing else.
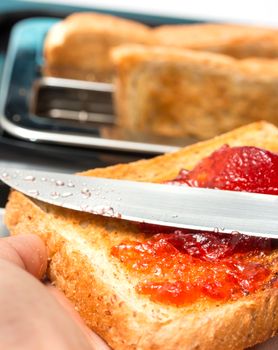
261, 12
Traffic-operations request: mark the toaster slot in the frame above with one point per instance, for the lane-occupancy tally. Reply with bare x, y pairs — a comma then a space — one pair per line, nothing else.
73, 100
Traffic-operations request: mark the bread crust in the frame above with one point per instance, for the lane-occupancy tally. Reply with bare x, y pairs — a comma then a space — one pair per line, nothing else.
79, 46
239, 41
81, 266
179, 92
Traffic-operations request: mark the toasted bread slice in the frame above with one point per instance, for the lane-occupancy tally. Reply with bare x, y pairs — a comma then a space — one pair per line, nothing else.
102, 291
79, 46
239, 41
179, 92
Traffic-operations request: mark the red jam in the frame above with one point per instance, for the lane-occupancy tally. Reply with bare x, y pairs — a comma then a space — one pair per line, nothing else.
249, 169
178, 267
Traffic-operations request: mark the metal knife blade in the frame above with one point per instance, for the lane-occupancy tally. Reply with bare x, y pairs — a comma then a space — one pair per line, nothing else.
161, 204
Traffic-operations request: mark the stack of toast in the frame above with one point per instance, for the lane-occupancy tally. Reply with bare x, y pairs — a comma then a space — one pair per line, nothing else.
79, 47
184, 80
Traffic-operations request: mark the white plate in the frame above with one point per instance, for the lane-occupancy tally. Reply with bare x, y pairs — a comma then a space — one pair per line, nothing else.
271, 344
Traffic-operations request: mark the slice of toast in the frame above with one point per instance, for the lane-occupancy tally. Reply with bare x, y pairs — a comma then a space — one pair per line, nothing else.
180, 92
104, 293
239, 41
79, 46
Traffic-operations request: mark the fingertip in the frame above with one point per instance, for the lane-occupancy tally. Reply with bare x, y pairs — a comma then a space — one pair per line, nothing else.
26, 251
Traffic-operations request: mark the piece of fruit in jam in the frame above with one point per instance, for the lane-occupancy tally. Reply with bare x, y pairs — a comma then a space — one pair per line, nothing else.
178, 267
249, 169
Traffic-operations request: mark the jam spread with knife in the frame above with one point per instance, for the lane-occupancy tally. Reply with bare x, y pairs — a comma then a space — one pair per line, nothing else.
179, 266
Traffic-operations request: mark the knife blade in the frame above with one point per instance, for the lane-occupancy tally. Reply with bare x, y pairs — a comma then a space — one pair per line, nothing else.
160, 204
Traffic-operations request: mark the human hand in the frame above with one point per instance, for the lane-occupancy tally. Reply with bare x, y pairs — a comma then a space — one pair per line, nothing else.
34, 316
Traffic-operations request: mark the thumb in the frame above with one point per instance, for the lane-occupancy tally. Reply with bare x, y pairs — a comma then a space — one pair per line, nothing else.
25, 251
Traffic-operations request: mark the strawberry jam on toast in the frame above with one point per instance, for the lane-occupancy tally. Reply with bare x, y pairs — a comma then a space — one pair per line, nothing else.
180, 266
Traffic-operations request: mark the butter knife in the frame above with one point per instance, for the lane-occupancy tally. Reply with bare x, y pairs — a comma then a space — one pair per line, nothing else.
161, 204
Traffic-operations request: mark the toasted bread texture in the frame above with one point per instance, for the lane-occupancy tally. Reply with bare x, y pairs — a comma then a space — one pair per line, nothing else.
79, 46
180, 92
104, 293
239, 41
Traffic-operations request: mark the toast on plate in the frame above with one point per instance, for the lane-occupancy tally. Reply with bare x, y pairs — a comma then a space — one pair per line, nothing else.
104, 292
239, 41
182, 92
79, 46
